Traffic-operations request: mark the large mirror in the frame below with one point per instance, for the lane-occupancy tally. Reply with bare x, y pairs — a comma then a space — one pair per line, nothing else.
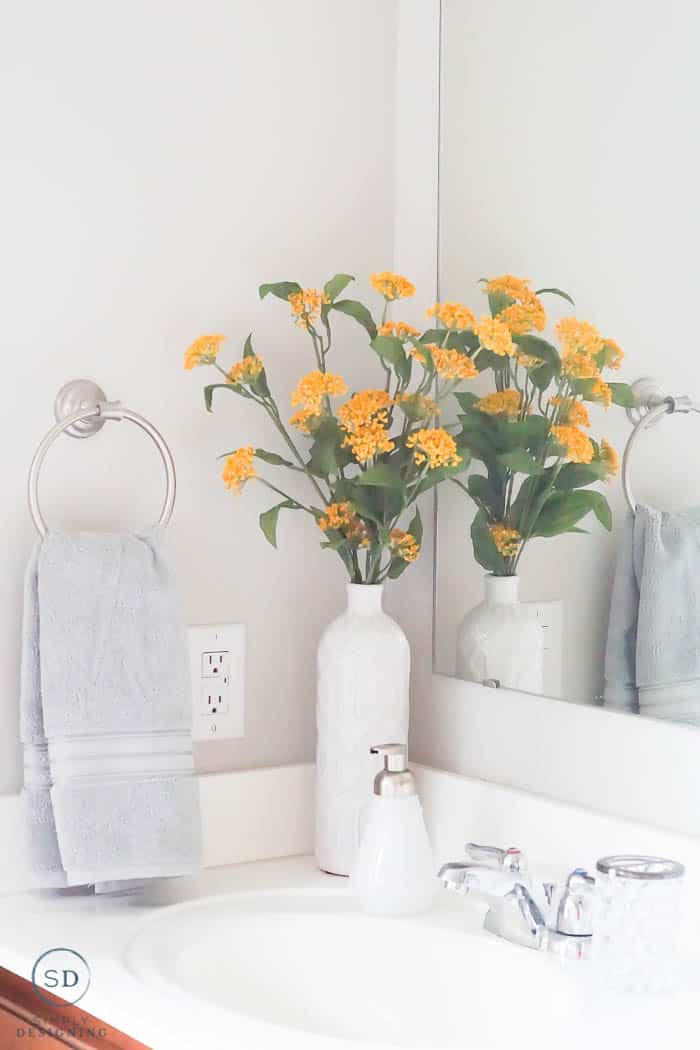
567, 158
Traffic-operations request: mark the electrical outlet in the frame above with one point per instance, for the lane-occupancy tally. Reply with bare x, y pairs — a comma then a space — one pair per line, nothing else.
217, 671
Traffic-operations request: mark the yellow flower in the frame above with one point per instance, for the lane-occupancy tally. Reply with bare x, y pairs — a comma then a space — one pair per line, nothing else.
305, 419
523, 317
495, 335
527, 312
579, 336
364, 418
571, 411
368, 440
503, 402
506, 540
363, 408
578, 364
203, 351
342, 517
337, 516
306, 305
404, 545
513, 287
239, 468
417, 406
577, 446
601, 393
450, 364
399, 329
609, 458
613, 354
392, 285
312, 388
453, 315
434, 446
246, 371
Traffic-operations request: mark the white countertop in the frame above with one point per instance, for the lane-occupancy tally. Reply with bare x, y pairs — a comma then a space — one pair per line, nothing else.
100, 927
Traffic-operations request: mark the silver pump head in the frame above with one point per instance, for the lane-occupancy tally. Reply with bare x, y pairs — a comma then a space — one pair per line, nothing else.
396, 780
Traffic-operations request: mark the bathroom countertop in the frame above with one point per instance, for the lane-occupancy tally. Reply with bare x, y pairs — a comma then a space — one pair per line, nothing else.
100, 928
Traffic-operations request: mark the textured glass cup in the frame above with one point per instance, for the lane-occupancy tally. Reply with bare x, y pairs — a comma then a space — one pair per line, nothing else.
635, 943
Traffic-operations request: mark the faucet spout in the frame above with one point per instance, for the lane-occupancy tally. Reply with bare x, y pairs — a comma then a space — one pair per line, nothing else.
513, 913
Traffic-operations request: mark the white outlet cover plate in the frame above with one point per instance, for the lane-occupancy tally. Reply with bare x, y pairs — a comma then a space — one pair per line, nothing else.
228, 723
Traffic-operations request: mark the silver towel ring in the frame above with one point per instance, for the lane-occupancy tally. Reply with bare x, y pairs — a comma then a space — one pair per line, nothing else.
650, 398
81, 409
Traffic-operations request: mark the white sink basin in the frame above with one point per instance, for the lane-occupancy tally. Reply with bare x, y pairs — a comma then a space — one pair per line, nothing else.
297, 968
311, 962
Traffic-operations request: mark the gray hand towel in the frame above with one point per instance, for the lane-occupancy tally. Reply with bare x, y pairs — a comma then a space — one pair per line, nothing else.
652, 657
106, 714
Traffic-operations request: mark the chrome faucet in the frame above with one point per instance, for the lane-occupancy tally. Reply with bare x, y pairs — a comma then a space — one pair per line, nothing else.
542, 918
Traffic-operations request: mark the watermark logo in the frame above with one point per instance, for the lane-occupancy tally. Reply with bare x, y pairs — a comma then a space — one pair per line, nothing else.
63, 972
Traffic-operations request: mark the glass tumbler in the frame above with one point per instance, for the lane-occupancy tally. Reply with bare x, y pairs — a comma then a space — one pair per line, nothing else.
635, 942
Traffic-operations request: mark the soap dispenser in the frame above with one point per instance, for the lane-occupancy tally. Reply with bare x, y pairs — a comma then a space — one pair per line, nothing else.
393, 872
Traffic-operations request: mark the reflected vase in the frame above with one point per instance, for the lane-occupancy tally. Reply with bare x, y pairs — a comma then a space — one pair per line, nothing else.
362, 700
500, 640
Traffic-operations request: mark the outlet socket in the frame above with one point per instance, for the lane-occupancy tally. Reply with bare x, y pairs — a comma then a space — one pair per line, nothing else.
217, 671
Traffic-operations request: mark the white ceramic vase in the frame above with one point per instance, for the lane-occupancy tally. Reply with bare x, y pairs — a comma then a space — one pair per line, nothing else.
501, 639
363, 674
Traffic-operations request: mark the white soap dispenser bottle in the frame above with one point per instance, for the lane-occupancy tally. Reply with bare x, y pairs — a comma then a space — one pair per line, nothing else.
394, 872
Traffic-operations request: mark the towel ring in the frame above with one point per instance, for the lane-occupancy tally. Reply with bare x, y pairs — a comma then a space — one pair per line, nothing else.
650, 398
81, 409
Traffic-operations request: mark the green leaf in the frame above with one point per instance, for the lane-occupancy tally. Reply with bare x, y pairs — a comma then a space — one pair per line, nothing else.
209, 392
268, 520
466, 400
622, 395
248, 346
415, 527
359, 312
521, 462
499, 301
382, 476
482, 491
327, 454
542, 376
578, 475
434, 477
556, 291
273, 458
282, 289
540, 348
563, 510
390, 349
485, 550
487, 359
433, 335
335, 286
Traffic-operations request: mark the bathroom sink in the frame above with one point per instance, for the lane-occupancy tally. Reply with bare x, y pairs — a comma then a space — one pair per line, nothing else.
311, 963
306, 968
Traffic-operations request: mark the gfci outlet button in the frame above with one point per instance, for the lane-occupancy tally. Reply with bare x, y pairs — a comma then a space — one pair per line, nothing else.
217, 674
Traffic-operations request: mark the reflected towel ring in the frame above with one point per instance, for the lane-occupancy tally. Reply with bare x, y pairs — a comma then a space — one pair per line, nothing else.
657, 406
81, 410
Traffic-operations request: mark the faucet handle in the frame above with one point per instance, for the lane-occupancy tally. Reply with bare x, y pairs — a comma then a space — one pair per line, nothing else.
574, 915
511, 859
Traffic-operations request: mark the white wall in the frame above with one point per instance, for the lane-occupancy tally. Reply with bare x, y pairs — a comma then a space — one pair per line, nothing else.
571, 157
160, 160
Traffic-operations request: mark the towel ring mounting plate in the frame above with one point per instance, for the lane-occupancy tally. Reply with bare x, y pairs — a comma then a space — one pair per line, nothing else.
81, 409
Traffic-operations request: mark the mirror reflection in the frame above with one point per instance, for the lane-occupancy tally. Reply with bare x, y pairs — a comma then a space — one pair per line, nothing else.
566, 247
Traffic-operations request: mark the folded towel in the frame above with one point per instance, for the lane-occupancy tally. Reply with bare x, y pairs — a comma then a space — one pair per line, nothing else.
652, 656
106, 714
